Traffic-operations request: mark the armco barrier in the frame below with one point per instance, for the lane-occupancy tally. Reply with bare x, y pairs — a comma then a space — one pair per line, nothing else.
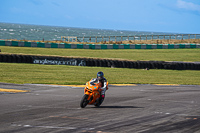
97, 46
56, 60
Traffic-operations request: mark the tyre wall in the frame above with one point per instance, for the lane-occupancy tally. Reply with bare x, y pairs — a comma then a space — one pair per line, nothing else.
55, 60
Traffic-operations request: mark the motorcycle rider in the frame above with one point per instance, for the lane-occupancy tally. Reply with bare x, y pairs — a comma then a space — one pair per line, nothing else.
102, 79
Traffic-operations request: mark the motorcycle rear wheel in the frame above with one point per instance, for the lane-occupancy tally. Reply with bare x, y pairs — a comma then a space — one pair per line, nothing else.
99, 102
84, 101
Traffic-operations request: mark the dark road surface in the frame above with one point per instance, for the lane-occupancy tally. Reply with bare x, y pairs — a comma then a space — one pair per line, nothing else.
131, 109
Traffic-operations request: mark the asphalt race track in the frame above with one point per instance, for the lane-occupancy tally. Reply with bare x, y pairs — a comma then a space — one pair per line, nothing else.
134, 109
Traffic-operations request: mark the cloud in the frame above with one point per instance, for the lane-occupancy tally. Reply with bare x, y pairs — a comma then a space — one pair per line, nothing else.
68, 16
188, 6
36, 2
55, 3
16, 10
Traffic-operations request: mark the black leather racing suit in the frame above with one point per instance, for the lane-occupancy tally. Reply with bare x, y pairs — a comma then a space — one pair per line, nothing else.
104, 85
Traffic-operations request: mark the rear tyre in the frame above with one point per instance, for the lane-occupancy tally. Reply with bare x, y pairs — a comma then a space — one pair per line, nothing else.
84, 101
99, 102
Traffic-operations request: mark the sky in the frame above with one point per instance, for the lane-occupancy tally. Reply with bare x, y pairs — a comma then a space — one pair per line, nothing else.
174, 16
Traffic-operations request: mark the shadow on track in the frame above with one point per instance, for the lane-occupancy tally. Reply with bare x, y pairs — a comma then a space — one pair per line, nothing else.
117, 107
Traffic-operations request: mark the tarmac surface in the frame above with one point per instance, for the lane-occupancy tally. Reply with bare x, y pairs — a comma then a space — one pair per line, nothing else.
131, 109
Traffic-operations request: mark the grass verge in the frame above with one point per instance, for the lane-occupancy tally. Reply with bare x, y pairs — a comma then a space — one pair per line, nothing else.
60, 74
128, 54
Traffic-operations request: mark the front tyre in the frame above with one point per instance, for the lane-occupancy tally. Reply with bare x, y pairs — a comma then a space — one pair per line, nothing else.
84, 101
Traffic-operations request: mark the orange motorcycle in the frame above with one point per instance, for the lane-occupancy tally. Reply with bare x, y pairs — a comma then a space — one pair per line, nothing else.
92, 93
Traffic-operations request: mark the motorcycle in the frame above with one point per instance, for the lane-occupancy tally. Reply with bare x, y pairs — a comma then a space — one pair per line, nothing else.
92, 94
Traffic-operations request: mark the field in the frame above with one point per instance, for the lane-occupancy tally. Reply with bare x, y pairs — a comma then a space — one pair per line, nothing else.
58, 74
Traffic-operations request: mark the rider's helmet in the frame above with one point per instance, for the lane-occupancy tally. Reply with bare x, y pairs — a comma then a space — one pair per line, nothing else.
100, 75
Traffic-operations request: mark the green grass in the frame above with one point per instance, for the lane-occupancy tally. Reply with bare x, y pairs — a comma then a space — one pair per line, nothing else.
60, 74
128, 54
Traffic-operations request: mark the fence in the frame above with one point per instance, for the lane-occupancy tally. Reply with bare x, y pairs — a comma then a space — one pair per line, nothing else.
97, 39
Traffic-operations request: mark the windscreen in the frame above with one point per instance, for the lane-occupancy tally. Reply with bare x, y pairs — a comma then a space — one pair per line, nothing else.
94, 81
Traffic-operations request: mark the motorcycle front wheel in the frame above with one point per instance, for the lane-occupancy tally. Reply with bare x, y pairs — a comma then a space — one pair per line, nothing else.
84, 101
